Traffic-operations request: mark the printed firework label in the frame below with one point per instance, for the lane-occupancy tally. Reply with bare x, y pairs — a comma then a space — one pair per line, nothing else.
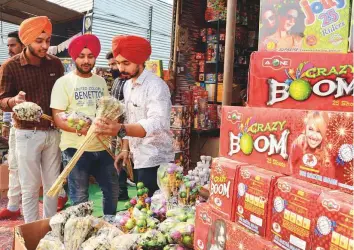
302, 81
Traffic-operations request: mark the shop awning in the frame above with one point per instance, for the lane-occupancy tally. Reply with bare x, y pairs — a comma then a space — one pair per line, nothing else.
15, 11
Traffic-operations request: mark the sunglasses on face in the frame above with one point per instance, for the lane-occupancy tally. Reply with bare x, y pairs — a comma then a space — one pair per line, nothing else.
290, 17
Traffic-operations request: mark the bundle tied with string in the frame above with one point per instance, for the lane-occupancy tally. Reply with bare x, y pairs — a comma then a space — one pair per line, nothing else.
31, 112
107, 107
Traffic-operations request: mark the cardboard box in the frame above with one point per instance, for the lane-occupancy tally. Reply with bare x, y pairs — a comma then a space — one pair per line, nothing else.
181, 116
183, 159
334, 221
307, 25
4, 177
212, 231
223, 181
293, 214
181, 139
316, 146
310, 81
27, 236
254, 195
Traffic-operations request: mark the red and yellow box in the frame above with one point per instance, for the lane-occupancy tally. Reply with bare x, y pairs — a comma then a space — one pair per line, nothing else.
316, 146
254, 196
293, 214
223, 181
304, 25
309, 81
334, 222
213, 231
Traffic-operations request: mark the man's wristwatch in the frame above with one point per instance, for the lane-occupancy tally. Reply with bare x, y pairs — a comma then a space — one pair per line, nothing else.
122, 132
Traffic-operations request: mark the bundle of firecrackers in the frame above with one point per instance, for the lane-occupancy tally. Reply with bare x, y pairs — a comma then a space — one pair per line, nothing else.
179, 190
29, 111
76, 120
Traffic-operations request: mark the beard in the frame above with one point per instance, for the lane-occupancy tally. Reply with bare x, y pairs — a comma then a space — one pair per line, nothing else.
128, 76
82, 71
115, 73
33, 52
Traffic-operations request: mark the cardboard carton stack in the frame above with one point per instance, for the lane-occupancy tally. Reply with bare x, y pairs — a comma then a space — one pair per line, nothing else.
284, 178
180, 122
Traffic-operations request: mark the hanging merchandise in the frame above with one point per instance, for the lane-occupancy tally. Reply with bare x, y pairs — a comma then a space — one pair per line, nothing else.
308, 25
216, 9
301, 80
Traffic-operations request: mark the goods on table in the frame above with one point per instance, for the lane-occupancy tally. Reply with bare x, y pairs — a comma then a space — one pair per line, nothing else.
107, 107
50, 242
201, 173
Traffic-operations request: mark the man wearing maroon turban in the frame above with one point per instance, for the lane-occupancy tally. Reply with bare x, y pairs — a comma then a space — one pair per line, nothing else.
146, 134
79, 91
30, 76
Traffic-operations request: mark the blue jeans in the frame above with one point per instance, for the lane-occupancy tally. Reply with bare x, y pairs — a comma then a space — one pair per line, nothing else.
101, 166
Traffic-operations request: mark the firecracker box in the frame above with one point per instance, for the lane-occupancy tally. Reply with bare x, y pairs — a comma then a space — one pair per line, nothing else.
223, 181
183, 159
254, 195
307, 25
181, 116
310, 81
334, 221
316, 146
293, 213
181, 139
351, 37
212, 231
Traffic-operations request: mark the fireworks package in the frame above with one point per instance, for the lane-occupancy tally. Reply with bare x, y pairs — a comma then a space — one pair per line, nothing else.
223, 183
293, 213
301, 81
254, 196
213, 231
316, 146
181, 139
183, 159
334, 221
181, 116
306, 25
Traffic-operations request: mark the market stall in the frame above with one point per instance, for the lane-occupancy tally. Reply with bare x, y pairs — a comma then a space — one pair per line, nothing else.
283, 178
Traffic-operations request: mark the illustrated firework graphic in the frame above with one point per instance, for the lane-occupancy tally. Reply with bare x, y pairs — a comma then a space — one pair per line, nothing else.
340, 130
299, 87
246, 140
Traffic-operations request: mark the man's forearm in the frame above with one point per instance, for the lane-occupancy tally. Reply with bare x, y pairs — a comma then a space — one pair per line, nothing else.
125, 144
135, 130
7, 103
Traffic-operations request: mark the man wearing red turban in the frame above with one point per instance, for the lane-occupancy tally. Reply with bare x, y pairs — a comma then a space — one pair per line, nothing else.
79, 91
148, 106
30, 76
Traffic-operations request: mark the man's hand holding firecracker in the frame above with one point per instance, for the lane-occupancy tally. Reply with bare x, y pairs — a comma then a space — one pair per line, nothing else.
108, 127
19, 98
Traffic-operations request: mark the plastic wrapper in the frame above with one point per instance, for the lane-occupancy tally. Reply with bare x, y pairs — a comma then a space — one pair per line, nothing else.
168, 224
109, 107
76, 231
76, 120
183, 233
174, 247
152, 239
125, 242
50, 242
158, 203
102, 239
57, 222
28, 111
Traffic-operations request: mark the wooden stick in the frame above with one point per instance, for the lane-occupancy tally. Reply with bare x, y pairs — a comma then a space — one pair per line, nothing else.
106, 147
48, 118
